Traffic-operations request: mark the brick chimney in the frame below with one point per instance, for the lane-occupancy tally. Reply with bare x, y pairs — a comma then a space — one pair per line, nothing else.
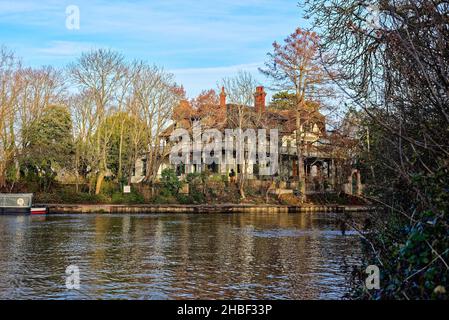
223, 98
259, 100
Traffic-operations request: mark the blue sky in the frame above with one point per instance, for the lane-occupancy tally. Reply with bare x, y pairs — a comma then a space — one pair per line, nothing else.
199, 41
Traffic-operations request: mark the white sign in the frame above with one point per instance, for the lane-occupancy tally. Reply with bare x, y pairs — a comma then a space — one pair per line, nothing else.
127, 189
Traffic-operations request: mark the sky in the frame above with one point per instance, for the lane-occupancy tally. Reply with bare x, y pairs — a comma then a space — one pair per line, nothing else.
199, 41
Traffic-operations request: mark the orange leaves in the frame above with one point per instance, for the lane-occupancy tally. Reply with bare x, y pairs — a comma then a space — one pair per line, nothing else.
205, 107
183, 111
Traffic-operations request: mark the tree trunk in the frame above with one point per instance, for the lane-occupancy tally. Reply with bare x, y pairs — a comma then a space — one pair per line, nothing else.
17, 165
120, 151
102, 172
100, 179
300, 162
2, 176
242, 179
77, 159
242, 189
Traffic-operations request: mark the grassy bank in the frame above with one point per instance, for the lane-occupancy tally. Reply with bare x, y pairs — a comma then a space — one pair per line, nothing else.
194, 189
64, 196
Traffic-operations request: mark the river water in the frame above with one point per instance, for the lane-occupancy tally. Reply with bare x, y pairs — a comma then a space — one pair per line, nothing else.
241, 256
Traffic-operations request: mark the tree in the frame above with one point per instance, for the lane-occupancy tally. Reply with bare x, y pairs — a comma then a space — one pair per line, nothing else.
240, 92
127, 141
50, 144
85, 121
295, 67
170, 182
395, 69
100, 73
283, 100
207, 107
24, 95
9, 91
154, 96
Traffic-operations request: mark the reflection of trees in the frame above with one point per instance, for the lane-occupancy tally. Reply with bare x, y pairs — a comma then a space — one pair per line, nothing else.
242, 259
283, 262
178, 256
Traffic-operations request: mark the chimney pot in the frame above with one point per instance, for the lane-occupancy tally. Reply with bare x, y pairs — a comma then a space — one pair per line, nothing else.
223, 97
259, 99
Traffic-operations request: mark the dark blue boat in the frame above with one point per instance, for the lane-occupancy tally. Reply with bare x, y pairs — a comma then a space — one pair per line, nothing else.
15, 204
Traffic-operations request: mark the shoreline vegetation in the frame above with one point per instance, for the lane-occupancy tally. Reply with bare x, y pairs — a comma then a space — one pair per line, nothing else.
193, 189
209, 190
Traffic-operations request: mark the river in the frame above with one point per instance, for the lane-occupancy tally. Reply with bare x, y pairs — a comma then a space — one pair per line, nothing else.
171, 256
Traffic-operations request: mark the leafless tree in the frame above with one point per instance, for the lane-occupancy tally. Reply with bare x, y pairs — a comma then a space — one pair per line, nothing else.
101, 73
394, 61
9, 91
295, 66
155, 94
240, 92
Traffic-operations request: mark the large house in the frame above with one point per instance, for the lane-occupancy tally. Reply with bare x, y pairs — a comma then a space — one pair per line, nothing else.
319, 156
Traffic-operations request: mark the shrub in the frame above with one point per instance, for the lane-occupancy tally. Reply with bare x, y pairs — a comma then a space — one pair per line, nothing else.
69, 197
170, 183
110, 188
184, 199
164, 199
130, 198
218, 178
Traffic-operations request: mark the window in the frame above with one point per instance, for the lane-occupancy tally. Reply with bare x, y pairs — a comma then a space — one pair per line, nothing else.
144, 167
213, 167
180, 169
256, 169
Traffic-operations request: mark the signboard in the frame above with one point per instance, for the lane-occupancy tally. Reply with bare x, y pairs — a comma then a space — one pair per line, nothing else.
127, 189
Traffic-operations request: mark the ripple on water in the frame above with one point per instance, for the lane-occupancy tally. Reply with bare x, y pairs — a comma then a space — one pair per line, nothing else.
249, 256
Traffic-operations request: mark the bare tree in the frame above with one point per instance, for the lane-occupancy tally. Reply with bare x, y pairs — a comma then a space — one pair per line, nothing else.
24, 94
240, 92
39, 88
100, 73
85, 123
9, 91
394, 59
295, 66
155, 94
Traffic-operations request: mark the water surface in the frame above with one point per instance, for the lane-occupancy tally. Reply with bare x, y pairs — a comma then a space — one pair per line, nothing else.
241, 256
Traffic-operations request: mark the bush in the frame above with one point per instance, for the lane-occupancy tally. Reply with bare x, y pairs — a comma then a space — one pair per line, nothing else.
184, 199
414, 253
218, 178
163, 199
196, 194
130, 198
69, 197
66, 195
170, 183
110, 188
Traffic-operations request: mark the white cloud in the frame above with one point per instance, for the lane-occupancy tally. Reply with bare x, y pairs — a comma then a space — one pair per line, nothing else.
65, 48
199, 40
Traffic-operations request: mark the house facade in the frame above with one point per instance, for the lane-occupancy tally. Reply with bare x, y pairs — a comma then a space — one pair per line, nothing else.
319, 157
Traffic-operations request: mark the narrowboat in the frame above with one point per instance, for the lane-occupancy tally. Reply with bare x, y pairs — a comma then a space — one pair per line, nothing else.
19, 204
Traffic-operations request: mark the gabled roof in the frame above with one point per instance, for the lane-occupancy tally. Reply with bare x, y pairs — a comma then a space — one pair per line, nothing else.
284, 120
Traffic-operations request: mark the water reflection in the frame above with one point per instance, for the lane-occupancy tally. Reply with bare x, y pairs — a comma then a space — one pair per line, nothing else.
247, 256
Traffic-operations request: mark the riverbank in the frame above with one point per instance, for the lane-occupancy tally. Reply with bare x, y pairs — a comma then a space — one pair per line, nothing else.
199, 209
